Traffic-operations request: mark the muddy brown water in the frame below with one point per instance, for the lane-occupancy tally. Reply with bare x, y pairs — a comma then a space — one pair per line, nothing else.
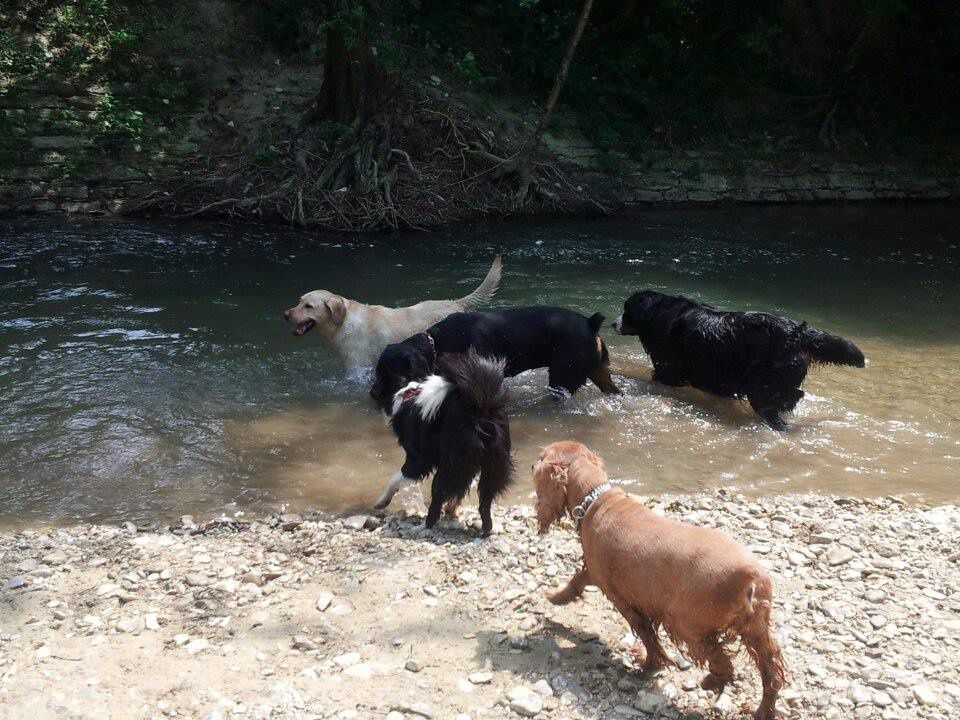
145, 372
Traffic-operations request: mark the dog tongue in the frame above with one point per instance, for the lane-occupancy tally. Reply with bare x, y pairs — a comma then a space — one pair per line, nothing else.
303, 327
411, 393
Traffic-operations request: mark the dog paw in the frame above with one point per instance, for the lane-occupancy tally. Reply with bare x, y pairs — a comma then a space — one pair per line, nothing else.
714, 682
381, 504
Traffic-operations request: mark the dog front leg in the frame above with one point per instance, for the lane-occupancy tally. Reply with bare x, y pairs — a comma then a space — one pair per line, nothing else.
391, 489
573, 590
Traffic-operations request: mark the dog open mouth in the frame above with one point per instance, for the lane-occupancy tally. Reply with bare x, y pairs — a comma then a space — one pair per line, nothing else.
304, 327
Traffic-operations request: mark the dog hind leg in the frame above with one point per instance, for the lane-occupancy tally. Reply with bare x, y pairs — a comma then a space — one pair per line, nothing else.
487, 493
721, 667
573, 590
451, 482
766, 654
602, 379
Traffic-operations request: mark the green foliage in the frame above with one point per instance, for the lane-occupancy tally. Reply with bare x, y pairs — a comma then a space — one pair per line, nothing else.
117, 117
467, 68
707, 69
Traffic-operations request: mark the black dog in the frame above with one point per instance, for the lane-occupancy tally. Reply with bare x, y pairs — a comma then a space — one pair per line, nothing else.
455, 423
564, 341
755, 355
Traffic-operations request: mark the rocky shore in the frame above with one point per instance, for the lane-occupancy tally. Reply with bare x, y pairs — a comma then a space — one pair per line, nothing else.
375, 617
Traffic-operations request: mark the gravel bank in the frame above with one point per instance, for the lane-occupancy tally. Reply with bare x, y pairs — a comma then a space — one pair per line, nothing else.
371, 617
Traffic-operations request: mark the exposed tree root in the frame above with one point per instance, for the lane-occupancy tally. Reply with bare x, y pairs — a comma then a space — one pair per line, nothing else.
419, 163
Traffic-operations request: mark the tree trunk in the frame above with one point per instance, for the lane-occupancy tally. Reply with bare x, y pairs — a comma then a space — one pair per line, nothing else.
558, 83
351, 79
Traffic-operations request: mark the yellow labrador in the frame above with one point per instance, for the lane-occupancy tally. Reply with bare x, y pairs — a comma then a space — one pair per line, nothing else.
359, 332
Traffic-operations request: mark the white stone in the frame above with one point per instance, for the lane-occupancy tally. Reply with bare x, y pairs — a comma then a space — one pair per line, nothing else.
323, 600
197, 646
838, 555
925, 695
347, 659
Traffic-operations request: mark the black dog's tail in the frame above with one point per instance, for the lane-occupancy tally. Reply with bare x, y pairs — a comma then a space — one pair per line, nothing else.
479, 383
595, 322
826, 348
478, 379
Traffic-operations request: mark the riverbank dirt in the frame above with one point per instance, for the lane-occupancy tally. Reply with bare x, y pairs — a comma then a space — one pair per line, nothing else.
375, 617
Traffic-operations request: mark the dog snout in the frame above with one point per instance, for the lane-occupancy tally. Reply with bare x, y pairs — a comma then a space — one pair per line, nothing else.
286, 315
616, 324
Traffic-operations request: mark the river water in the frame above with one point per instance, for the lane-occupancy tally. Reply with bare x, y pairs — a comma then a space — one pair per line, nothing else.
145, 371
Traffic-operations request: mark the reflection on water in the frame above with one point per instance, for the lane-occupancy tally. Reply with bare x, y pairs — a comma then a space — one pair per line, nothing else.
144, 370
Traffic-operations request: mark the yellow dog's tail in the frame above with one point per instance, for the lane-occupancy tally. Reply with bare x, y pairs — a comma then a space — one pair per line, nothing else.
486, 289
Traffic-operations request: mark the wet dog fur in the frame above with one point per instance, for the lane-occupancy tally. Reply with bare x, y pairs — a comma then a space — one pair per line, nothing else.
704, 588
454, 424
755, 355
561, 340
359, 332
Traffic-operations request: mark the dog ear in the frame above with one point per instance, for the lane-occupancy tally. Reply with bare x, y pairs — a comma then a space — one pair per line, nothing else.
550, 480
593, 457
337, 308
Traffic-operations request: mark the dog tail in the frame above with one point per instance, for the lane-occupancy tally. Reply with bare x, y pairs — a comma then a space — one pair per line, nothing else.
479, 381
826, 348
595, 322
487, 288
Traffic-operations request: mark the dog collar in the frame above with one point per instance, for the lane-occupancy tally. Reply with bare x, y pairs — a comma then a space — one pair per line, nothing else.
580, 510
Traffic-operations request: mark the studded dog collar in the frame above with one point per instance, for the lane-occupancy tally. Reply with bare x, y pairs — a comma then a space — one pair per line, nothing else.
580, 510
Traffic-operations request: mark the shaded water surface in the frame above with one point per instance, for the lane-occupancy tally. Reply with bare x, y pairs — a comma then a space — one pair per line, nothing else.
144, 369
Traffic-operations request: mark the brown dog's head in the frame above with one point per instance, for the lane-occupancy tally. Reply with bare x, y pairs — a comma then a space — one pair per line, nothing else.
551, 476
319, 309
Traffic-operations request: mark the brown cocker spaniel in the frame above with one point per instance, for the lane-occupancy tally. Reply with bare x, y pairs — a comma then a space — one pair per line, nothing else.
703, 587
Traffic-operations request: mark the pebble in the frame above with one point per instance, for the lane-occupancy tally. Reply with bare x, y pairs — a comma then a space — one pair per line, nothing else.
480, 678
838, 555
302, 642
131, 625
196, 579
882, 699
15, 583
542, 687
723, 704
355, 522
347, 659
197, 646
649, 702
524, 701
323, 600
58, 557
414, 708
519, 642
925, 695
413, 666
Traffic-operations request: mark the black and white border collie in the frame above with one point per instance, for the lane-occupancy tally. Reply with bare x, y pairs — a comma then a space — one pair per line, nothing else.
755, 355
453, 423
